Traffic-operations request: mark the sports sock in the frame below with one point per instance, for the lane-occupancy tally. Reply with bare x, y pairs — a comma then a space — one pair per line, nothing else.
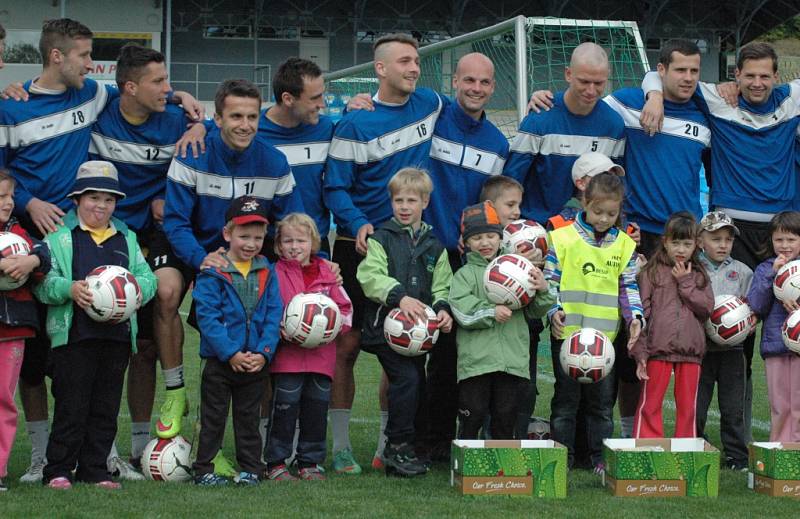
173, 377
382, 434
626, 426
340, 427
38, 435
140, 437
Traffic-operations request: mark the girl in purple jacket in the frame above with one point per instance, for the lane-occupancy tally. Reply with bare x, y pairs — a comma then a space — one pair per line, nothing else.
783, 366
301, 376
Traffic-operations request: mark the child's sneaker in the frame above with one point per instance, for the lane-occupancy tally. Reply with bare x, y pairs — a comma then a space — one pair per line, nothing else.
210, 480
345, 463
312, 473
124, 470
377, 462
3, 486
280, 473
401, 460
246, 479
60, 483
35, 472
174, 408
599, 469
108, 485
223, 467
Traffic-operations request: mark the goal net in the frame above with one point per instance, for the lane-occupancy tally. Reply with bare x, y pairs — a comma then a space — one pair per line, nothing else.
528, 54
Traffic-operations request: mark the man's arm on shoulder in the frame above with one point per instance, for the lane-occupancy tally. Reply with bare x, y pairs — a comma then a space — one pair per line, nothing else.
181, 198
344, 155
524, 149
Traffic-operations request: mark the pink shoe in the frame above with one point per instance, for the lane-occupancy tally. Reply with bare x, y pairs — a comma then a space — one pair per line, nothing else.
108, 484
377, 463
60, 483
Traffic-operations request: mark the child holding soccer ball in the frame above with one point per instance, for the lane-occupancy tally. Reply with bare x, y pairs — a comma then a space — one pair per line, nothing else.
493, 342
782, 365
89, 358
677, 297
18, 315
591, 271
301, 377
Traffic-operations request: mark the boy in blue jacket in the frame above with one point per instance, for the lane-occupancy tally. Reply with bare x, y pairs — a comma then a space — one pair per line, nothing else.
239, 313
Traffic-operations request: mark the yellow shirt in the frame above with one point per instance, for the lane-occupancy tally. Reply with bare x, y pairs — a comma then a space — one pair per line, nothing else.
243, 267
99, 235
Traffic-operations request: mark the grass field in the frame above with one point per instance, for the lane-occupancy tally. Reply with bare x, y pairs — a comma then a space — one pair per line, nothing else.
374, 495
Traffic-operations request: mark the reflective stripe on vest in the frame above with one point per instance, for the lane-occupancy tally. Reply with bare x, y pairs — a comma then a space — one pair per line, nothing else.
589, 288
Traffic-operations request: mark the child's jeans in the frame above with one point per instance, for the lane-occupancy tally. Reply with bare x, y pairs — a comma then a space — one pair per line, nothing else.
305, 396
648, 422
10, 364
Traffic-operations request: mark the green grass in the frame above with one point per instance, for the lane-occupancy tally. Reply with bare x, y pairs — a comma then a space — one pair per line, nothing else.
374, 495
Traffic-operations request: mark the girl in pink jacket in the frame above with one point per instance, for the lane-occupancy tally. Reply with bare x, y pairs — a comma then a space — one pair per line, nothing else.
301, 376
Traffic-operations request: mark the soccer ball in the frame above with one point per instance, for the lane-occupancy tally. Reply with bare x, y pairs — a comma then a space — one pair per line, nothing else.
506, 281
167, 459
408, 337
587, 355
731, 321
790, 331
786, 286
520, 236
538, 429
12, 245
115, 294
311, 320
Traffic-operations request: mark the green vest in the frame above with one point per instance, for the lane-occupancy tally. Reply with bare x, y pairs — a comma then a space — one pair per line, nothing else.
589, 288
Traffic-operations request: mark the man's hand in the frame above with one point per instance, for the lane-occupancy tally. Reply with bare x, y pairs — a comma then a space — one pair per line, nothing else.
652, 117
214, 260
536, 279
364, 232
240, 362
194, 138
729, 91
414, 309
557, 324
15, 92
157, 210
641, 370
17, 267
541, 100
193, 108
445, 321
634, 331
361, 102
46, 216
336, 270
80, 293
502, 313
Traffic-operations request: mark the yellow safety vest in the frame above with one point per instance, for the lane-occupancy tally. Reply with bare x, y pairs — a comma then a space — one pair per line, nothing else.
589, 288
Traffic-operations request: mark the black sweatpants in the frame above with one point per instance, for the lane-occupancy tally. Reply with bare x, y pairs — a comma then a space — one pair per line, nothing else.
497, 395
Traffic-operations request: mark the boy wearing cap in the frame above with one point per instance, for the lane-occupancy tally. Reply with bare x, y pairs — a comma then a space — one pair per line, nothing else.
493, 341
238, 313
89, 358
724, 365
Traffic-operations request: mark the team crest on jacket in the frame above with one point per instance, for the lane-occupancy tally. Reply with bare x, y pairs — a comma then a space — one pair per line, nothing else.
732, 275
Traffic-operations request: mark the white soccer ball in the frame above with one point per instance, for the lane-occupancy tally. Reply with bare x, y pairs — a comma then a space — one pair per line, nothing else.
731, 321
12, 245
786, 285
167, 459
410, 338
520, 236
115, 294
790, 331
506, 281
311, 320
587, 355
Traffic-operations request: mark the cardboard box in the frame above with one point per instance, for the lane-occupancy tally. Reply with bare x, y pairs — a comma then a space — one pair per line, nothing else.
509, 467
661, 467
775, 468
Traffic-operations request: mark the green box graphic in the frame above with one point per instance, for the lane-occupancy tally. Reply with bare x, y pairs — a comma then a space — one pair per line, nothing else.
690, 459
775, 460
543, 460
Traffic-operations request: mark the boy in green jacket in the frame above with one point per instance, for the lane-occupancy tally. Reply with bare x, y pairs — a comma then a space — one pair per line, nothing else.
493, 341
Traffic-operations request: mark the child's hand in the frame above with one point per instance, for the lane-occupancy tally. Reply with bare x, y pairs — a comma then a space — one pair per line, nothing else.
445, 321
80, 293
641, 370
635, 232
533, 255
790, 306
633, 333
239, 362
18, 267
256, 362
557, 324
460, 245
780, 261
681, 269
413, 309
502, 313
536, 279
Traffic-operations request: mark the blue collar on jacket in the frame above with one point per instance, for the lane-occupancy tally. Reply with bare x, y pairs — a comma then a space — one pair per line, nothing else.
465, 121
228, 154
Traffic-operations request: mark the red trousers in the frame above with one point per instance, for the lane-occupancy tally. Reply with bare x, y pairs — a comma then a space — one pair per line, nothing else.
648, 422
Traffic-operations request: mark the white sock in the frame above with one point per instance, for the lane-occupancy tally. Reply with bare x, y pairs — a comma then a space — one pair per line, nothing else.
38, 435
263, 430
626, 426
173, 377
140, 437
382, 434
340, 427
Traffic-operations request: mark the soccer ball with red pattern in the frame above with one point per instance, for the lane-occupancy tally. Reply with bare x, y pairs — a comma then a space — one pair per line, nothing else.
12, 245
791, 331
786, 285
311, 320
587, 355
167, 459
408, 337
506, 281
115, 294
731, 321
520, 236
